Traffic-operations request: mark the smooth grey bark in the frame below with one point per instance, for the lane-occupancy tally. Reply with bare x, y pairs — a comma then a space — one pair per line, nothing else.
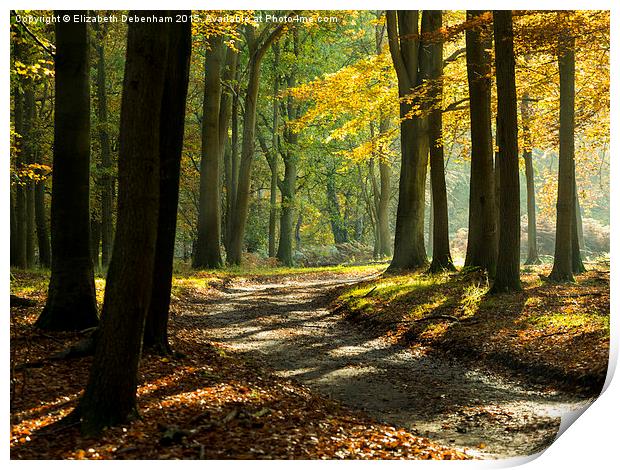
257, 48
482, 235
562, 270
403, 40
207, 253
532, 246
507, 273
229, 108
442, 259
290, 158
273, 155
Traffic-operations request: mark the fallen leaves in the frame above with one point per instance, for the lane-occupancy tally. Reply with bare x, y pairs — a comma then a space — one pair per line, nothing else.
209, 404
559, 331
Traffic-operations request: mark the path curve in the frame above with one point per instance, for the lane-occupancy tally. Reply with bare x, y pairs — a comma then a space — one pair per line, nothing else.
286, 323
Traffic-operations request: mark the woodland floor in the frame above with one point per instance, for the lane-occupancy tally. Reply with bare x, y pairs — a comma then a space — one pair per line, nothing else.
276, 368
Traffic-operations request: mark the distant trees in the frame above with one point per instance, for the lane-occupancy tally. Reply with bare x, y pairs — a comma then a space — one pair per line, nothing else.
71, 303
106, 181
532, 245
257, 47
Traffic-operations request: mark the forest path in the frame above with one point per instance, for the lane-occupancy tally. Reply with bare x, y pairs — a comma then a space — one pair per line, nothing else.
285, 323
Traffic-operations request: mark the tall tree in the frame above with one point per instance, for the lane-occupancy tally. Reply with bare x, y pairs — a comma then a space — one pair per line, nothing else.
43, 239
562, 270
382, 191
19, 258
106, 181
442, 259
229, 110
576, 232
257, 47
532, 246
482, 235
110, 395
272, 157
71, 302
508, 263
28, 158
207, 253
170, 149
403, 39
290, 158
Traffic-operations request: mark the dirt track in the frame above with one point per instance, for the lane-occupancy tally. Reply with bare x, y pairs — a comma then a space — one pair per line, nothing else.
286, 324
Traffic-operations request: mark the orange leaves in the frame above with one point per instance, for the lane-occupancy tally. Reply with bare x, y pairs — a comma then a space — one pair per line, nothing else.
32, 172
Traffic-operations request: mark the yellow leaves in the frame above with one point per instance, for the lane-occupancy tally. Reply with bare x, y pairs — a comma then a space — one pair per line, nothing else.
41, 68
33, 172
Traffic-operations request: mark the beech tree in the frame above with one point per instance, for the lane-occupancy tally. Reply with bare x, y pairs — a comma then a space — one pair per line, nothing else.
508, 263
170, 149
71, 303
207, 252
565, 229
442, 260
482, 235
110, 395
404, 44
258, 44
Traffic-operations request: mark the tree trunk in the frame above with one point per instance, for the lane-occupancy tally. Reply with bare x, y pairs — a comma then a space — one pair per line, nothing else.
532, 247
226, 113
207, 254
110, 395
40, 212
482, 236
242, 199
579, 218
171, 146
95, 239
289, 183
20, 260
384, 248
339, 229
29, 143
577, 263
41, 222
562, 270
442, 259
383, 222
508, 262
13, 235
409, 251
273, 164
300, 220
71, 302
106, 180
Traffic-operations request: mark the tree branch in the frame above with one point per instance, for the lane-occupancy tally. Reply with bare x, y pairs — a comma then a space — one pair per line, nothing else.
397, 58
47, 49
